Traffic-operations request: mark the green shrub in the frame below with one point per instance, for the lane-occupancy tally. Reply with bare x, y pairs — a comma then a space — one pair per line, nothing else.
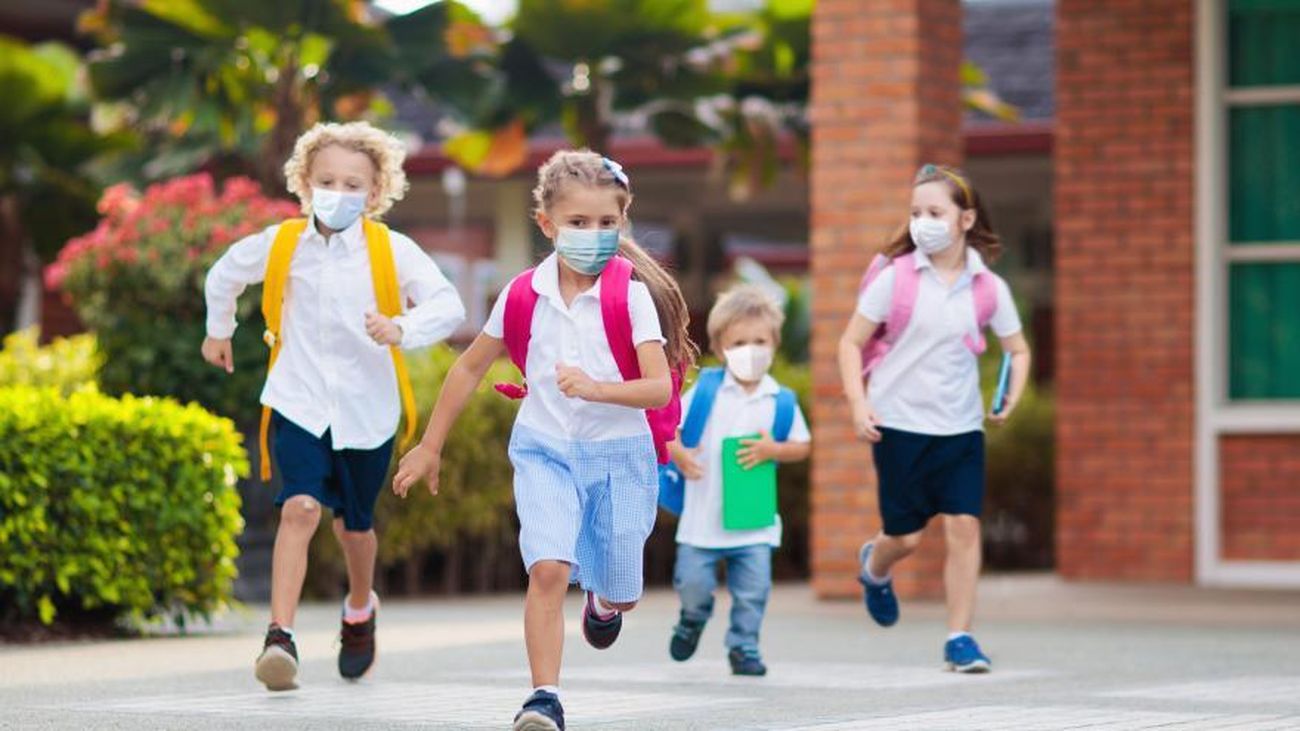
137, 282
1020, 469
120, 506
66, 364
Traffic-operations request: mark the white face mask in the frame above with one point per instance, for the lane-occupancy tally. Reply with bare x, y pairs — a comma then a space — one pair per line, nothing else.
748, 363
336, 209
931, 235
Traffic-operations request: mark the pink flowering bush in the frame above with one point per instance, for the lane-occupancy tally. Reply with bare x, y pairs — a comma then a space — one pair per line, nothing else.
137, 281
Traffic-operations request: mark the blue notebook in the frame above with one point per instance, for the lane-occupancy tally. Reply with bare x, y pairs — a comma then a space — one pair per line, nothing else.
1004, 383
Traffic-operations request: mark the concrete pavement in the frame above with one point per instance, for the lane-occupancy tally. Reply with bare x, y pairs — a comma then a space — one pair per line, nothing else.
1066, 656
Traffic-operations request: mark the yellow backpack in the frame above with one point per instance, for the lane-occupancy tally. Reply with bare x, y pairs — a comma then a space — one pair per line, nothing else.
383, 272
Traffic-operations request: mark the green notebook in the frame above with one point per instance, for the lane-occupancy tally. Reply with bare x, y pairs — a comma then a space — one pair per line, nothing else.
748, 496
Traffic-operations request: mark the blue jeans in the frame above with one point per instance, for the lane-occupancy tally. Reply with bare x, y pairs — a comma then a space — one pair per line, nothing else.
749, 579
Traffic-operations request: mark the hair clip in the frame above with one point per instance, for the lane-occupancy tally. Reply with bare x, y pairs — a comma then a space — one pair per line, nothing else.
930, 170
617, 171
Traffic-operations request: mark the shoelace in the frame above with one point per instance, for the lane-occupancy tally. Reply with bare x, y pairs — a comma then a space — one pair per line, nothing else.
356, 636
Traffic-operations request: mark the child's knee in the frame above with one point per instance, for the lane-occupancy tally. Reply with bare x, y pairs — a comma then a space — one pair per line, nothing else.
549, 576
621, 606
300, 513
961, 530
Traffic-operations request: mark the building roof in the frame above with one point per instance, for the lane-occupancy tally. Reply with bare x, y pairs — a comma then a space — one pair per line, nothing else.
1014, 42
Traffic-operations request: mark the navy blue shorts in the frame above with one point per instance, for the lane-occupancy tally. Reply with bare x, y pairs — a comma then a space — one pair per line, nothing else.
921, 476
346, 480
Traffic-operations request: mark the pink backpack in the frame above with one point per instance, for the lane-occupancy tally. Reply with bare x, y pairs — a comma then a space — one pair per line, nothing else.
903, 302
521, 302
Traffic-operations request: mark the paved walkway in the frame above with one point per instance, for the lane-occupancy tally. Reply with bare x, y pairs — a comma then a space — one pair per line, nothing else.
1066, 657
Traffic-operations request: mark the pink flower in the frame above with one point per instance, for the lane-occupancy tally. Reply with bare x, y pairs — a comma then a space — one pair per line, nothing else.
118, 200
55, 274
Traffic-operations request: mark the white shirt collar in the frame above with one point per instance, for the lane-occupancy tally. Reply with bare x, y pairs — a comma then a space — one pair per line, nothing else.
546, 281
353, 236
766, 387
974, 262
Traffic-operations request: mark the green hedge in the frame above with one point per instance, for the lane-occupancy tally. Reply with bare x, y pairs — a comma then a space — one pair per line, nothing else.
66, 363
119, 507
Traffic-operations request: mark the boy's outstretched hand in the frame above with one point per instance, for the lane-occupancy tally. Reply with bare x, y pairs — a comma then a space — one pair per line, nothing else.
217, 352
421, 463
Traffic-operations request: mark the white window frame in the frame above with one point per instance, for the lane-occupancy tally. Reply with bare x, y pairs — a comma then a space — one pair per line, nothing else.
1216, 415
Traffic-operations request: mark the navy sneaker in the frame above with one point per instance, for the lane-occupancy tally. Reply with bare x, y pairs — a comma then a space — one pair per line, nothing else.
746, 661
882, 603
357, 648
541, 712
686, 637
599, 633
963, 655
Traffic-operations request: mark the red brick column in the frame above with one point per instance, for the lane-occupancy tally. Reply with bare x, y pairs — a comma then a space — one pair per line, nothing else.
1124, 289
886, 98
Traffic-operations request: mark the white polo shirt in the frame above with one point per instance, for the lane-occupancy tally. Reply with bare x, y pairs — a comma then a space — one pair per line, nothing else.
575, 335
929, 382
330, 374
735, 413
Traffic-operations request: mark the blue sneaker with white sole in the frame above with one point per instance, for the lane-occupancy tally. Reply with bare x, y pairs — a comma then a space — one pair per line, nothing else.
962, 655
882, 603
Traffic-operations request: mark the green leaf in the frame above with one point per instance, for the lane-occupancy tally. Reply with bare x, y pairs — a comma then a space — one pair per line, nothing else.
45, 609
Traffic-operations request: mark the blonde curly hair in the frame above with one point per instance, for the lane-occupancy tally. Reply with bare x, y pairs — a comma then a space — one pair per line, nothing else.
383, 149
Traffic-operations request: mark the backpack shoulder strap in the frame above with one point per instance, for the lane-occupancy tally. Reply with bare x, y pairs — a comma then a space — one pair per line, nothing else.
517, 325
784, 420
383, 268
276, 278
706, 391
274, 283
903, 299
388, 298
614, 283
984, 288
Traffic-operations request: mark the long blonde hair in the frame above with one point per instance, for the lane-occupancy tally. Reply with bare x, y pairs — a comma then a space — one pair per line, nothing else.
583, 167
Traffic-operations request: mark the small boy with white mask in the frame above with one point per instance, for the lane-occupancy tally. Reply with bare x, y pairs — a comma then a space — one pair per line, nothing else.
744, 330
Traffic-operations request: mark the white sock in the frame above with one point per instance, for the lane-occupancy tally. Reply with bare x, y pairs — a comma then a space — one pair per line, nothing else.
871, 576
351, 615
554, 689
954, 635
287, 631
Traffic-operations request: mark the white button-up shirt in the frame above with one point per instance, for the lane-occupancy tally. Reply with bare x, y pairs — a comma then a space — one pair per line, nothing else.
929, 382
330, 374
735, 413
575, 335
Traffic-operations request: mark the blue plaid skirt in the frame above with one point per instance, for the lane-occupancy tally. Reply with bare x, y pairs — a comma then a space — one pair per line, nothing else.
590, 504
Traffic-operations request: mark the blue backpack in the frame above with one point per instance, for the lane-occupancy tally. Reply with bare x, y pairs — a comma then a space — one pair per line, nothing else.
672, 483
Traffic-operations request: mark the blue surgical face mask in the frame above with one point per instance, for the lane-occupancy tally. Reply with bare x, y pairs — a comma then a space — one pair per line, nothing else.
337, 209
587, 250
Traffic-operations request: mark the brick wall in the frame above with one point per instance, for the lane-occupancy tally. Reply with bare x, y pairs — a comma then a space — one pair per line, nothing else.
885, 99
1124, 288
1260, 489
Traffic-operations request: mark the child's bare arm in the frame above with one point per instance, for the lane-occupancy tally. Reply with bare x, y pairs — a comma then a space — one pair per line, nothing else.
855, 336
466, 373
